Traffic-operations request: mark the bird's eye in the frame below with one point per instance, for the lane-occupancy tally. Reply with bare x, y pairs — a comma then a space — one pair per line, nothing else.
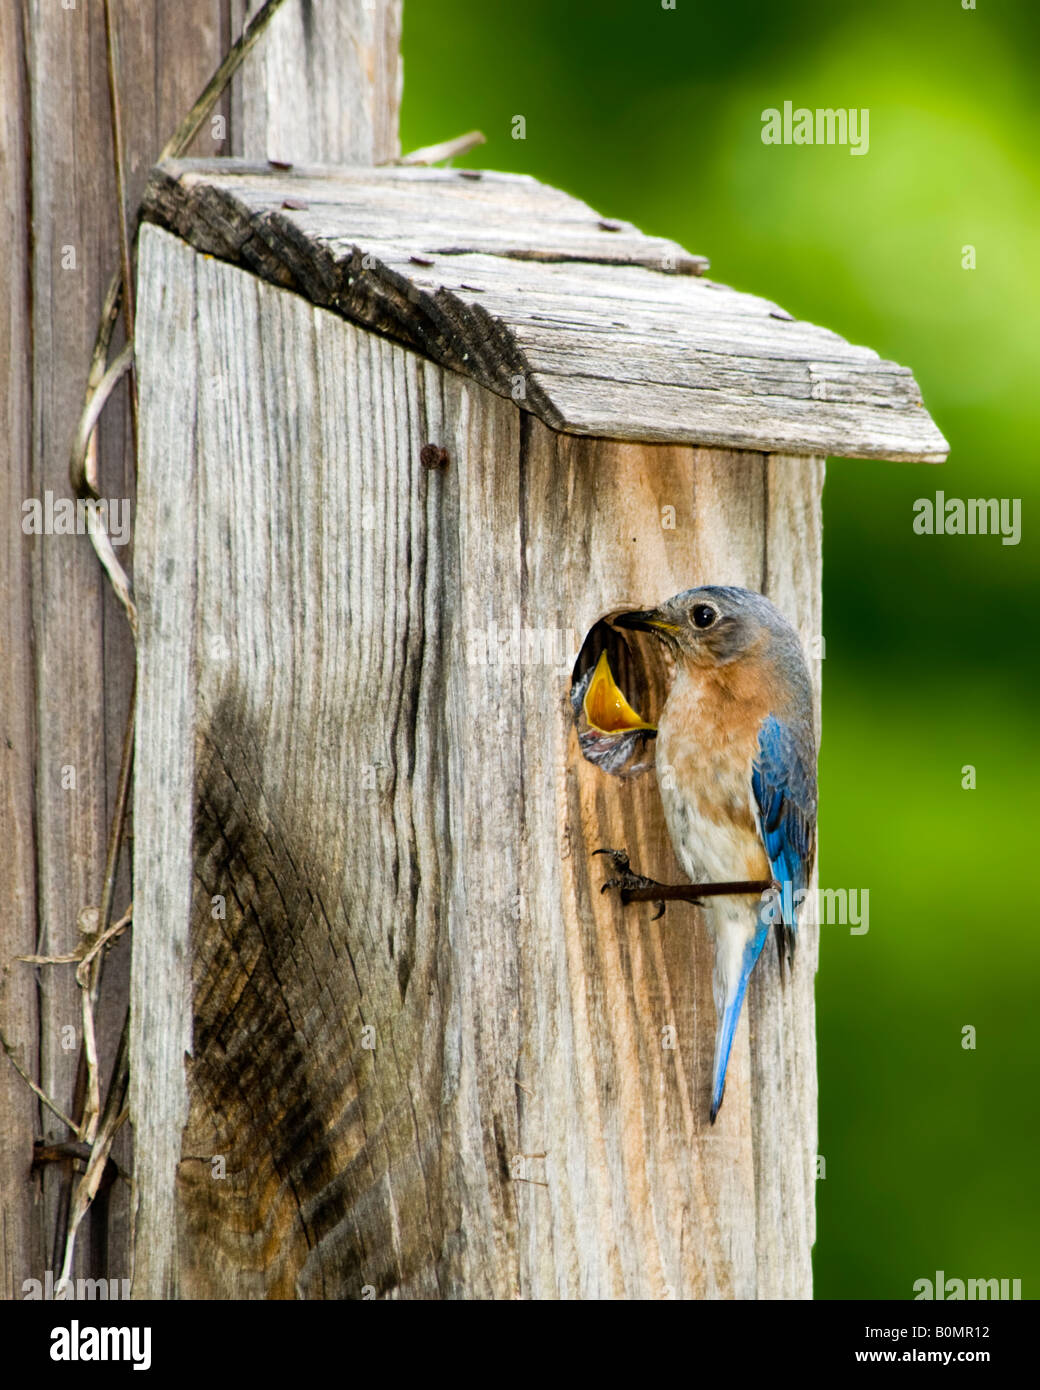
704, 615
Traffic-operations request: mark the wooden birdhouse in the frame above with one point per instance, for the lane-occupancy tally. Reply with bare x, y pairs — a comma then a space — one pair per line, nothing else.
409, 438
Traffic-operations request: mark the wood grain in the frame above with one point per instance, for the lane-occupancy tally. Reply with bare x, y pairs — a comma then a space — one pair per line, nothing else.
69, 664
587, 324
392, 829
325, 84
19, 1017
160, 1016
68, 660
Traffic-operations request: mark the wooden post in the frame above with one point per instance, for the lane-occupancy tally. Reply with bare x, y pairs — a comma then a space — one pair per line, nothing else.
67, 657
19, 1007
323, 84
391, 1037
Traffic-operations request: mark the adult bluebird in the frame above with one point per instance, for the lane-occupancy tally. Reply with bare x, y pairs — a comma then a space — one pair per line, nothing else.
736, 760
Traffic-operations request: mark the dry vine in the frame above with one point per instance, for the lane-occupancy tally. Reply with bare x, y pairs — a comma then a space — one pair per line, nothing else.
96, 1128
98, 1124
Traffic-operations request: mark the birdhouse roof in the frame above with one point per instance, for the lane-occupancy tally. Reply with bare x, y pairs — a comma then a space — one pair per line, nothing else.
583, 320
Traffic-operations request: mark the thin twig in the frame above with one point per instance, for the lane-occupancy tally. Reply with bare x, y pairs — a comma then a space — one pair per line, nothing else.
54, 1153
88, 976
77, 1151
84, 478
83, 958
89, 1183
92, 1101
73, 958
112, 56
446, 149
42, 1095
82, 977
83, 467
210, 95
102, 544
96, 373
112, 1117
690, 892
115, 840
115, 834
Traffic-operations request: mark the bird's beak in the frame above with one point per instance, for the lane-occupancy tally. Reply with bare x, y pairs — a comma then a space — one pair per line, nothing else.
646, 620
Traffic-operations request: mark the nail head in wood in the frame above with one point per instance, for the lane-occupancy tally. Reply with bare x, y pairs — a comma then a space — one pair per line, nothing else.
433, 456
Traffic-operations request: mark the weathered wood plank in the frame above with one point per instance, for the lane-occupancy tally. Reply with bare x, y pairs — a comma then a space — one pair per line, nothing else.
324, 820
393, 830
325, 84
584, 322
784, 1018
19, 1019
77, 634
67, 656
70, 687
433, 212
161, 1034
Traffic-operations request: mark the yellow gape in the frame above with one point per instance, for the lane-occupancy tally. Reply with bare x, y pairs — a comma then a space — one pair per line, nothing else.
606, 708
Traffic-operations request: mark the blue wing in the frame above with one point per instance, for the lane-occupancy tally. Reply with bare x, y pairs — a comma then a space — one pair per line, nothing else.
783, 781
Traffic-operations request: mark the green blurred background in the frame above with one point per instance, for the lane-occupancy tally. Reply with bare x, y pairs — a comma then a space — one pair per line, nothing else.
655, 115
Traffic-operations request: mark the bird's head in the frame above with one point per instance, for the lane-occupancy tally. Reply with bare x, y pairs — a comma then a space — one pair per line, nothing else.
710, 626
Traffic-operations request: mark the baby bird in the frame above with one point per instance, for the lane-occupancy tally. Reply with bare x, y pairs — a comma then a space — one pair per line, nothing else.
736, 763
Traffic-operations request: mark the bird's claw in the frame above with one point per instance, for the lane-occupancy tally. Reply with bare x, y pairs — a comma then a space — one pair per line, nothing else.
625, 879
621, 861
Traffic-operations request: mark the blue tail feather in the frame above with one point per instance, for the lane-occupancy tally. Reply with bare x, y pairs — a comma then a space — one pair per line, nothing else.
730, 1017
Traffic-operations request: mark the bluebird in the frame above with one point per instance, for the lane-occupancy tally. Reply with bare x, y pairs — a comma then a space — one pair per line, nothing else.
736, 759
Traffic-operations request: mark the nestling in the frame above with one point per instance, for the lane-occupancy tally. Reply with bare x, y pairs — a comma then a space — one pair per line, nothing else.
736, 763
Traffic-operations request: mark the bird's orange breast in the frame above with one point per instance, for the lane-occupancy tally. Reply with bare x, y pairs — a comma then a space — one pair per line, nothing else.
707, 739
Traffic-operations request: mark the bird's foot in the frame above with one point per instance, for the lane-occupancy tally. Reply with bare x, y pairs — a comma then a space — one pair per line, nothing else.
628, 882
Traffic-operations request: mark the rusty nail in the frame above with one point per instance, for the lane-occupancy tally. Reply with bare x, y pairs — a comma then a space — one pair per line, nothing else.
433, 456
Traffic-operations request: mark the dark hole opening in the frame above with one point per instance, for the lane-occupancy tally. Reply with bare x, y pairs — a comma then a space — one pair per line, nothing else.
613, 700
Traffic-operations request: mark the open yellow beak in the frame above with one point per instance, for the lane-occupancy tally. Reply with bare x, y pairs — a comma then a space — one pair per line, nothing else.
606, 708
